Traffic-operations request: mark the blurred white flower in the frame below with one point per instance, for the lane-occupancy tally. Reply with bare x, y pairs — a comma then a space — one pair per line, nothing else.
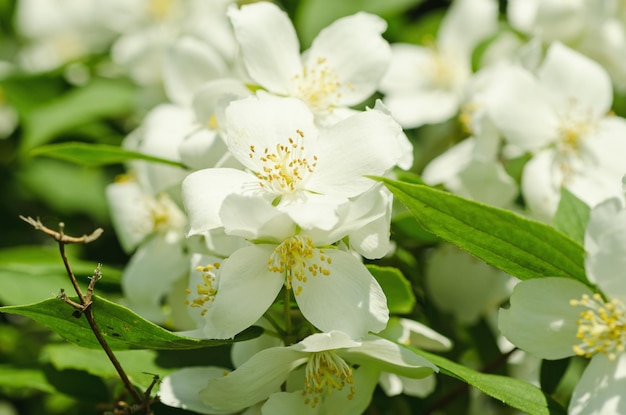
425, 85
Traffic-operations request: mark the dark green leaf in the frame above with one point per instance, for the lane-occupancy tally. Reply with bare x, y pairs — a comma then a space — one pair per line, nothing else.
400, 297
519, 246
136, 363
32, 273
93, 155
572, 216
99, 99
122, 328
56, 183
23, 379
552, 372
513, 392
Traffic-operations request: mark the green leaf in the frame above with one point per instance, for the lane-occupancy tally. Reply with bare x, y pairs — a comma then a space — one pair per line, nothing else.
136, 363
32, 273
122, 328
571, 216
97, 100
55, 183
511, 391
519, 246
552, 372
400, 297
23, 379
94, 155
314, 15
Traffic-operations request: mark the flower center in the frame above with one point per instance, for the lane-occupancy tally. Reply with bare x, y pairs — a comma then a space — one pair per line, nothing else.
326, 371
601, 328
206, 291
319, 86
284, 170
159, 10
297, 257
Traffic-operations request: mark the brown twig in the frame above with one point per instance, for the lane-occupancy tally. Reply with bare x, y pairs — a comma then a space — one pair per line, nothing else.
84, 307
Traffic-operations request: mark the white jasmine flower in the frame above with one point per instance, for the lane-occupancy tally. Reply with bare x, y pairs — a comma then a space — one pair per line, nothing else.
411, 333
332, 288
329, 375
342, 67
480, 291
301, 170
553, 318
564, 123
154, 226
425, 84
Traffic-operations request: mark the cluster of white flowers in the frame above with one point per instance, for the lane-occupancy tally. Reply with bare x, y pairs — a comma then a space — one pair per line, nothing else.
275, 211
275, 216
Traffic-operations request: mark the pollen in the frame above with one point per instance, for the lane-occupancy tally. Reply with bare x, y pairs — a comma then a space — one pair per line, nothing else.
601, 327
284, 169
318, 85
298, 259
205, 291
325, 372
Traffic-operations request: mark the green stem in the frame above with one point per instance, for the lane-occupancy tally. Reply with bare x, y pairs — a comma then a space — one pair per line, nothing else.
287, 313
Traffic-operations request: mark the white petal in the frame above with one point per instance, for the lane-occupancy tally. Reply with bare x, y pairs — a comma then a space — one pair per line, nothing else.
289, 403
130, 213
600, 390
372, 240
423, 107
188, 64
253, 217
403, 74
370, 140
354, 48
204, 192
411, 332
389, 357
202, 149
181, 388
486, 182
244, 279
151, 272
241, 352
562, 71
349, 299
263, 123
419, 388
337, 403
254, 381
522, 109
604, 267
603, 218
365, 380
320, 342
467, 23
160, 134
269, 44
209, 98
541, 184
445, 167
540, 319
463, 285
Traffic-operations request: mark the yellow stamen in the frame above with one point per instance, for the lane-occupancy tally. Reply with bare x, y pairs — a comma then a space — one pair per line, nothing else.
326, 371
285, 169
207, 290
298, 258
601, 327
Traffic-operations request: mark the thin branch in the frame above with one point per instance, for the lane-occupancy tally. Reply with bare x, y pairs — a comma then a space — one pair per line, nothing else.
85, 301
